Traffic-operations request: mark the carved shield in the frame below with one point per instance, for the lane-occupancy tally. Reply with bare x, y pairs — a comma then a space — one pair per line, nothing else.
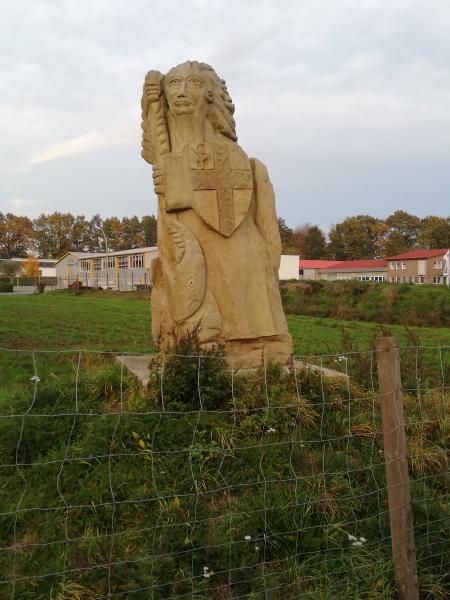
222, 185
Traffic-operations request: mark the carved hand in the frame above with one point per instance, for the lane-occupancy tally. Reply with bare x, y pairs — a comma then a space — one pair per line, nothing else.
152, 91
159, 180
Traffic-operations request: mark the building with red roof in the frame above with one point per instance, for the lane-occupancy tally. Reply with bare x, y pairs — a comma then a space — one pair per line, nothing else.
419, 266
363, 270
332, 270
416, 266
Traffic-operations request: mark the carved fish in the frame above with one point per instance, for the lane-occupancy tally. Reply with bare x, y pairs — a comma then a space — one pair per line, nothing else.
189, 274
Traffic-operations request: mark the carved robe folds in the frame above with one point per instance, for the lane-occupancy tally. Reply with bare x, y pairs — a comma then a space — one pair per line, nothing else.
219, 253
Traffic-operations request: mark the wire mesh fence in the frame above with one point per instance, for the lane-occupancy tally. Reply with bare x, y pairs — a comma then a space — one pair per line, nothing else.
215, 483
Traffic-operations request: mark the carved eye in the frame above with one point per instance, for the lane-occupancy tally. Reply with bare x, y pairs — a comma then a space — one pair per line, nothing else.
175, 81
191, 282
195, 82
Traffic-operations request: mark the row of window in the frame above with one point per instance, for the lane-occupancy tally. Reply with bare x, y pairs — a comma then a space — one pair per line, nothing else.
419, 279
396, 264
134, 261
377, 278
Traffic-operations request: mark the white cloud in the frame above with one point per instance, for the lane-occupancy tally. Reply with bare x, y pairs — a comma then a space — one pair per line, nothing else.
20, 205
361, 86
88, 142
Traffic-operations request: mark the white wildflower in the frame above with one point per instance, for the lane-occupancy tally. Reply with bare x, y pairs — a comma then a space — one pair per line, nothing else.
352, 538
341, 357
35, 379
248, 538
271, 430
363, 540
357, 543
256, 548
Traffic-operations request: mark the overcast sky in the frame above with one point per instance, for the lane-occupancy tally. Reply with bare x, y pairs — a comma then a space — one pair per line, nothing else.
347, 102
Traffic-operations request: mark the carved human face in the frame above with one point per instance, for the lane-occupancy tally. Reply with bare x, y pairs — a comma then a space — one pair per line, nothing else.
186, 90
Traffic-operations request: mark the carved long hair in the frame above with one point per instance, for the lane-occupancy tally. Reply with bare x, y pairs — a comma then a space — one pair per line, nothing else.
220, 110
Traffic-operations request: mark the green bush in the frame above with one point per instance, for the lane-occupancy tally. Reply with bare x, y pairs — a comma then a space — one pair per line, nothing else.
5, 286
188, 376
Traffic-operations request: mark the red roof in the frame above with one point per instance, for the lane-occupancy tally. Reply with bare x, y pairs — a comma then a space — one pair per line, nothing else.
358, 264
419, 254
315, 264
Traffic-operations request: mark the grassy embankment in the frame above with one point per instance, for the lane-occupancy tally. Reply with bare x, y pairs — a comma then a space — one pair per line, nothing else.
263, 486
401, 304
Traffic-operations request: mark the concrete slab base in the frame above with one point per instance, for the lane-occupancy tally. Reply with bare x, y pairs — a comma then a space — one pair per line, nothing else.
139, 366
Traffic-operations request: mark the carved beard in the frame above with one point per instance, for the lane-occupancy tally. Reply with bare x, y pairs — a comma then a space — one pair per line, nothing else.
186, 129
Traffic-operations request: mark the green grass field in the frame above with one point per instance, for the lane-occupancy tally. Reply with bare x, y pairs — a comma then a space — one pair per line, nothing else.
58, 325
122, 323
266, 480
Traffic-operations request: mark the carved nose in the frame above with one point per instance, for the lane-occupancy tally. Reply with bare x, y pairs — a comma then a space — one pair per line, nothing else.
182, 90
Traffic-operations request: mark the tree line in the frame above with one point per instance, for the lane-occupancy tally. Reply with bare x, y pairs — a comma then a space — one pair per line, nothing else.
366, 237
52, 235
358, 237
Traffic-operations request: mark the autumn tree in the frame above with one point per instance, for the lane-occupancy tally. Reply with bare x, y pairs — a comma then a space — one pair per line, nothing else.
286, 236
299, 238
355, 238
435, 232
114, 231
31, 266
315, 246
16, 236
81, 235
9, 268
403, 233
133, 232
54, 234
149, 224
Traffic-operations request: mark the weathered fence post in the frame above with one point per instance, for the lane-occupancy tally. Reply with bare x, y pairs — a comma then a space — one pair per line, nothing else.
397, 472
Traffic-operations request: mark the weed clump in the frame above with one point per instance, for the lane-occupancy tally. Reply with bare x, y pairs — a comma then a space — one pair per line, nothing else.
189, 376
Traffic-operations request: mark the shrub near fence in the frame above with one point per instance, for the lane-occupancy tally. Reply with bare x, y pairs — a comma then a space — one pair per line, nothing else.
5, 285
214, 484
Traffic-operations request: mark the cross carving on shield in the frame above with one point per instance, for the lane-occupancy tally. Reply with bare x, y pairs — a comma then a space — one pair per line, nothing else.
222, 185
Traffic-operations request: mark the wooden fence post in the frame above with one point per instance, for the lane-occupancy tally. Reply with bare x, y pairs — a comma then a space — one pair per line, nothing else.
397, 472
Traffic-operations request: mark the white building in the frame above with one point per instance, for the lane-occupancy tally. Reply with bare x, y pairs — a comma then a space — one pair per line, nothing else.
288, 267
120, 270
126, 269
46, 265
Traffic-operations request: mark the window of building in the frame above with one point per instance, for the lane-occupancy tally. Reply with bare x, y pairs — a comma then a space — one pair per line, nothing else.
392, 264
397, 264
85, 265
437, 264
403, 265
108, 263
136, 261
300, 272
97, 264
123, 262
